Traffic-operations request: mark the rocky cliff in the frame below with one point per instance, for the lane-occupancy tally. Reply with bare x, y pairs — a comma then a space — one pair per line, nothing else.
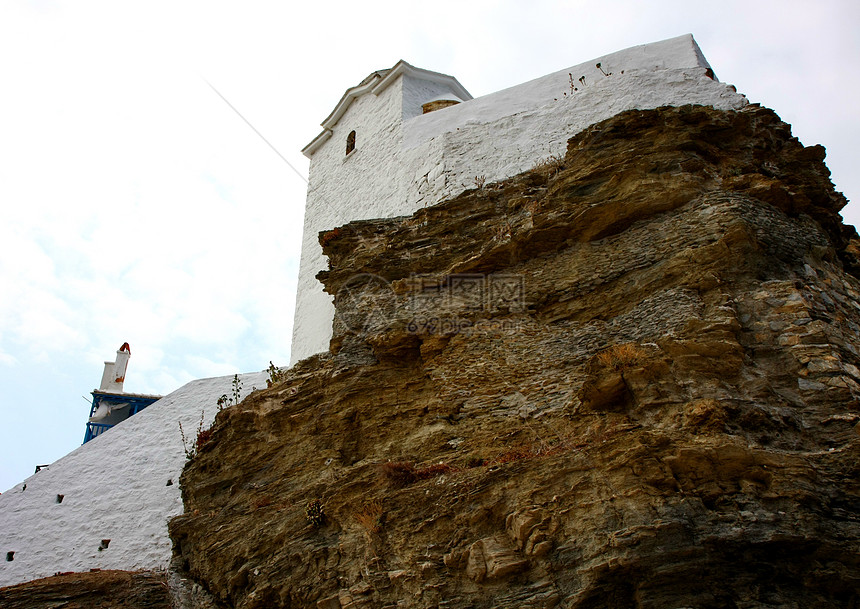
627, 378
91, 590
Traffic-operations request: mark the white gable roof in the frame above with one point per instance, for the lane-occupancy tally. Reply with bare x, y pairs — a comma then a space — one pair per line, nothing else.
376, 83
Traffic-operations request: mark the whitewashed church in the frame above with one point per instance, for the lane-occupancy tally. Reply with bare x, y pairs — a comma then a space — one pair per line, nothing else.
405, 138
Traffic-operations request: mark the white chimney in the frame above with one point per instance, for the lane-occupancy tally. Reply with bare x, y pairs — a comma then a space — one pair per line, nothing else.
114, 374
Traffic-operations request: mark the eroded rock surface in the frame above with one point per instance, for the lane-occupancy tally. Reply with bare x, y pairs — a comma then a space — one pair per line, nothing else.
628, 378
91, 590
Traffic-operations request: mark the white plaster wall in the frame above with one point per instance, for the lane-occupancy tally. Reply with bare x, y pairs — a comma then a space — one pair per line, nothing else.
416, 92
512, 144
495, 136
344, 188
675, 53
114, 487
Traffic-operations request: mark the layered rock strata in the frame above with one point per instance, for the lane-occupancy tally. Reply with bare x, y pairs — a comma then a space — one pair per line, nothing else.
91, 590
626, 378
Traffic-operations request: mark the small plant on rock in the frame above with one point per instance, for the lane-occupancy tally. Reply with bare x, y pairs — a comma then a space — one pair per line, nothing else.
329, 236
276, 375
398, 473
224, 401
620, 357
550, 165
315, 513
191, 450
402, 473
370, 517
237, 389
203, 436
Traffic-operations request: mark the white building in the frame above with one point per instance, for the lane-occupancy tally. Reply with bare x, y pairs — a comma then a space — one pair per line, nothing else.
106, 504
380, 156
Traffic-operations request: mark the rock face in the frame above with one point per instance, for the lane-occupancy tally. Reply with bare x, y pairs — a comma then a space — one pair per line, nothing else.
93, 590
626, 378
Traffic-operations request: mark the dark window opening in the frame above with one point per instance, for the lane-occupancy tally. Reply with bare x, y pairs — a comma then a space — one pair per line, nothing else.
104, 544
10, 556
350, 142
60, 498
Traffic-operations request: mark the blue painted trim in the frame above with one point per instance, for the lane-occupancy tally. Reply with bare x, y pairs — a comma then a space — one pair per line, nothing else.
136, 404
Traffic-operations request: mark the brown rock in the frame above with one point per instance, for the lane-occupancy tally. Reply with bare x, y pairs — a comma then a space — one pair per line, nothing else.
649, 402
93, 590
493, 558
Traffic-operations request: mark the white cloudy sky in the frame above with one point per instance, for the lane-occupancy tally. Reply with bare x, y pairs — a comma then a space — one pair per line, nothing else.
136, 206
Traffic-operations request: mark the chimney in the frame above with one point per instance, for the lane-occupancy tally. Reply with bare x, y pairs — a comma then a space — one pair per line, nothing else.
114, 373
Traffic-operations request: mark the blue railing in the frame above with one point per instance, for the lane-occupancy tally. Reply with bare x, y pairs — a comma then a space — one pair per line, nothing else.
95, 429
129, 404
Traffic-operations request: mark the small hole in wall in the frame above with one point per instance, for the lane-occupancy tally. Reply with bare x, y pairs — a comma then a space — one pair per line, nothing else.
169, 482
104, 544
60, 498
10, 556
350, 142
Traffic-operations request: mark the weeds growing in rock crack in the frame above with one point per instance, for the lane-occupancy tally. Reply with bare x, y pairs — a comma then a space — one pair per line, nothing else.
620, 357
224, 401
202, 436
550, 165
276, 375
370, 517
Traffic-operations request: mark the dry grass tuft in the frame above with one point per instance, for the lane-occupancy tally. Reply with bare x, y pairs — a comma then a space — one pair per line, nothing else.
370, 517
551, 165
400, 473
620, 357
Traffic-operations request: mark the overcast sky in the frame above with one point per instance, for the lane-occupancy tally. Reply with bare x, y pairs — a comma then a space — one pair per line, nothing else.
136, 206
